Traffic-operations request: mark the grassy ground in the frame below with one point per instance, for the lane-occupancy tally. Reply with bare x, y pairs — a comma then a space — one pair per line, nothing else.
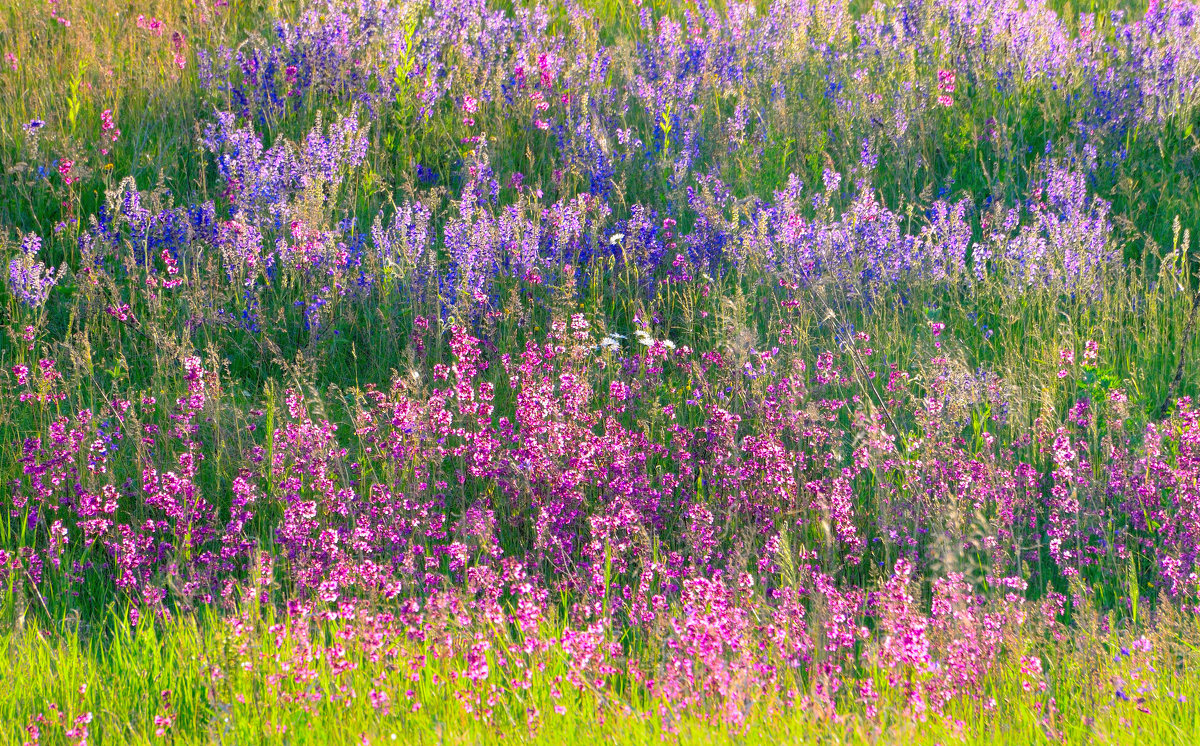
210, 681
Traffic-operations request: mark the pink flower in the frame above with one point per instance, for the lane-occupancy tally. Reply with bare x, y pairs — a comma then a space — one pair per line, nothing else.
64, 168
162, 724
152, 24
1031, 674
108, 125
946, 81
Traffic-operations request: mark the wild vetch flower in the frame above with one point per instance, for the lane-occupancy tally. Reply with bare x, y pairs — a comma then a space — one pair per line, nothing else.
30, 279
1031, 674
946, 81
869, 158
152, 24
832, 179
64, 169
108, 125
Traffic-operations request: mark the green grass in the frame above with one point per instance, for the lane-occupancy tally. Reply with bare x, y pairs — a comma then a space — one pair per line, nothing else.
235, 682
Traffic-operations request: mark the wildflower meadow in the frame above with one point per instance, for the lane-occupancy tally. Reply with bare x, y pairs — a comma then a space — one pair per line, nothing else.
599, 371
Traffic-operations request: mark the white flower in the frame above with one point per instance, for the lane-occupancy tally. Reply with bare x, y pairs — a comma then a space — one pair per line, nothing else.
616, 238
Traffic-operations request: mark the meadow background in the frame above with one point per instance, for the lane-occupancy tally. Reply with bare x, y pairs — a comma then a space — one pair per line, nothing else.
476, 372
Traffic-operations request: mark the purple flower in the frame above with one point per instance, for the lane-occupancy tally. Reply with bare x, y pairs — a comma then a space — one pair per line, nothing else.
29, 278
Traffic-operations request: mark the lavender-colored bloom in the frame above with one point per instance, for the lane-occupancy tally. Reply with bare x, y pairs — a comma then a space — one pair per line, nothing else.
403, 246
30, 279
261, 181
